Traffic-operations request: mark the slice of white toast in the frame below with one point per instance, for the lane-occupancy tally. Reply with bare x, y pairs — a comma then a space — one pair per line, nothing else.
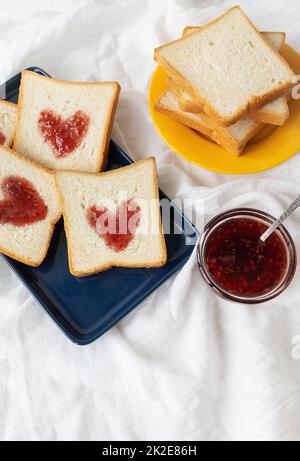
233, 138
27, 216
215, 65
91, 202
276, 112
8, 115
65, 125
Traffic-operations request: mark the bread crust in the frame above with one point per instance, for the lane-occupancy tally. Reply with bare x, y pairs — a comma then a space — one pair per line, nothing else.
253, 103
201, 129
103, 154
109, 265
216, 134
108, 128
52, 223
269, 117
8, 103
190, 29
261, 116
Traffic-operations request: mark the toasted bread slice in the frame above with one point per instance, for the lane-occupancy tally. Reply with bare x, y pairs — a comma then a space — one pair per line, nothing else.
8, 115
233, 138
27, 243
65, 125
84, 195
276, 112
215, 66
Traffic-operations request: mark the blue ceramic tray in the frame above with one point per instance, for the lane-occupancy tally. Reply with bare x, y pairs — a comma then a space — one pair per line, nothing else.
86, 308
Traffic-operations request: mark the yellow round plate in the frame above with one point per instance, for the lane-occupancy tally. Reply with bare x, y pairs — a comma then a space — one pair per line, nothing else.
275, 148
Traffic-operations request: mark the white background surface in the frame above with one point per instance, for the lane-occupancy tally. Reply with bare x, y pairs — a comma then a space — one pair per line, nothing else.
184, 365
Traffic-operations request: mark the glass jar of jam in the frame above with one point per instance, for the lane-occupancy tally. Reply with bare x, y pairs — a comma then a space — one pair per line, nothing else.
237, 265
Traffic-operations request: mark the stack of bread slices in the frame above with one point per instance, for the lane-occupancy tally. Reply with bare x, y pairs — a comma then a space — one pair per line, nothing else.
226, 80
60, 134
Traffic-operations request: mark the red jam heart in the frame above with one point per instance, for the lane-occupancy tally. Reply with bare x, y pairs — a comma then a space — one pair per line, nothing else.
2, 139
22, 204
64, 136
117, 229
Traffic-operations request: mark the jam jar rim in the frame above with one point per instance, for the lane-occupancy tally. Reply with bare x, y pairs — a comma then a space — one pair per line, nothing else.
254, 214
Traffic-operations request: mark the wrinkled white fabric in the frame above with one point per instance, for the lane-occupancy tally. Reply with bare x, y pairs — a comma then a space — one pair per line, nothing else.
184, 365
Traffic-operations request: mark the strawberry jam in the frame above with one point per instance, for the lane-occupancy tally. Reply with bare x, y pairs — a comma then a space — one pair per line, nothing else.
117, 229
64, 136
2, 139
239, 263
22, 204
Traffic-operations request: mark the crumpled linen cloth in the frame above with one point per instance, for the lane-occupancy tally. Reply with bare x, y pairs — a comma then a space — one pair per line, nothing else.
184, 365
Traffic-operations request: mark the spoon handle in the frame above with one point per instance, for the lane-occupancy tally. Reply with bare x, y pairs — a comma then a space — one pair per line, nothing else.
279, 221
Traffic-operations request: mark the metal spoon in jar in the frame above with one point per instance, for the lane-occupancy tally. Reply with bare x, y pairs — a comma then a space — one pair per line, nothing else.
279, 221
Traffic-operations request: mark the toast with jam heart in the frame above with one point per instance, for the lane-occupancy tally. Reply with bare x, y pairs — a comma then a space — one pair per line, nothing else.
29, 208
8, 115
113, 218
65, 125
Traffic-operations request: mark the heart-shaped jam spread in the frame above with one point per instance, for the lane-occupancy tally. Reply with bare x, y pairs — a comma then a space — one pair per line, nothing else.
64, 136
117, 229
22, 204
2, 139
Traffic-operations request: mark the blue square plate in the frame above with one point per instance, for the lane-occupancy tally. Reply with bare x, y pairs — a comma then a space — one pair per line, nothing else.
85, 308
